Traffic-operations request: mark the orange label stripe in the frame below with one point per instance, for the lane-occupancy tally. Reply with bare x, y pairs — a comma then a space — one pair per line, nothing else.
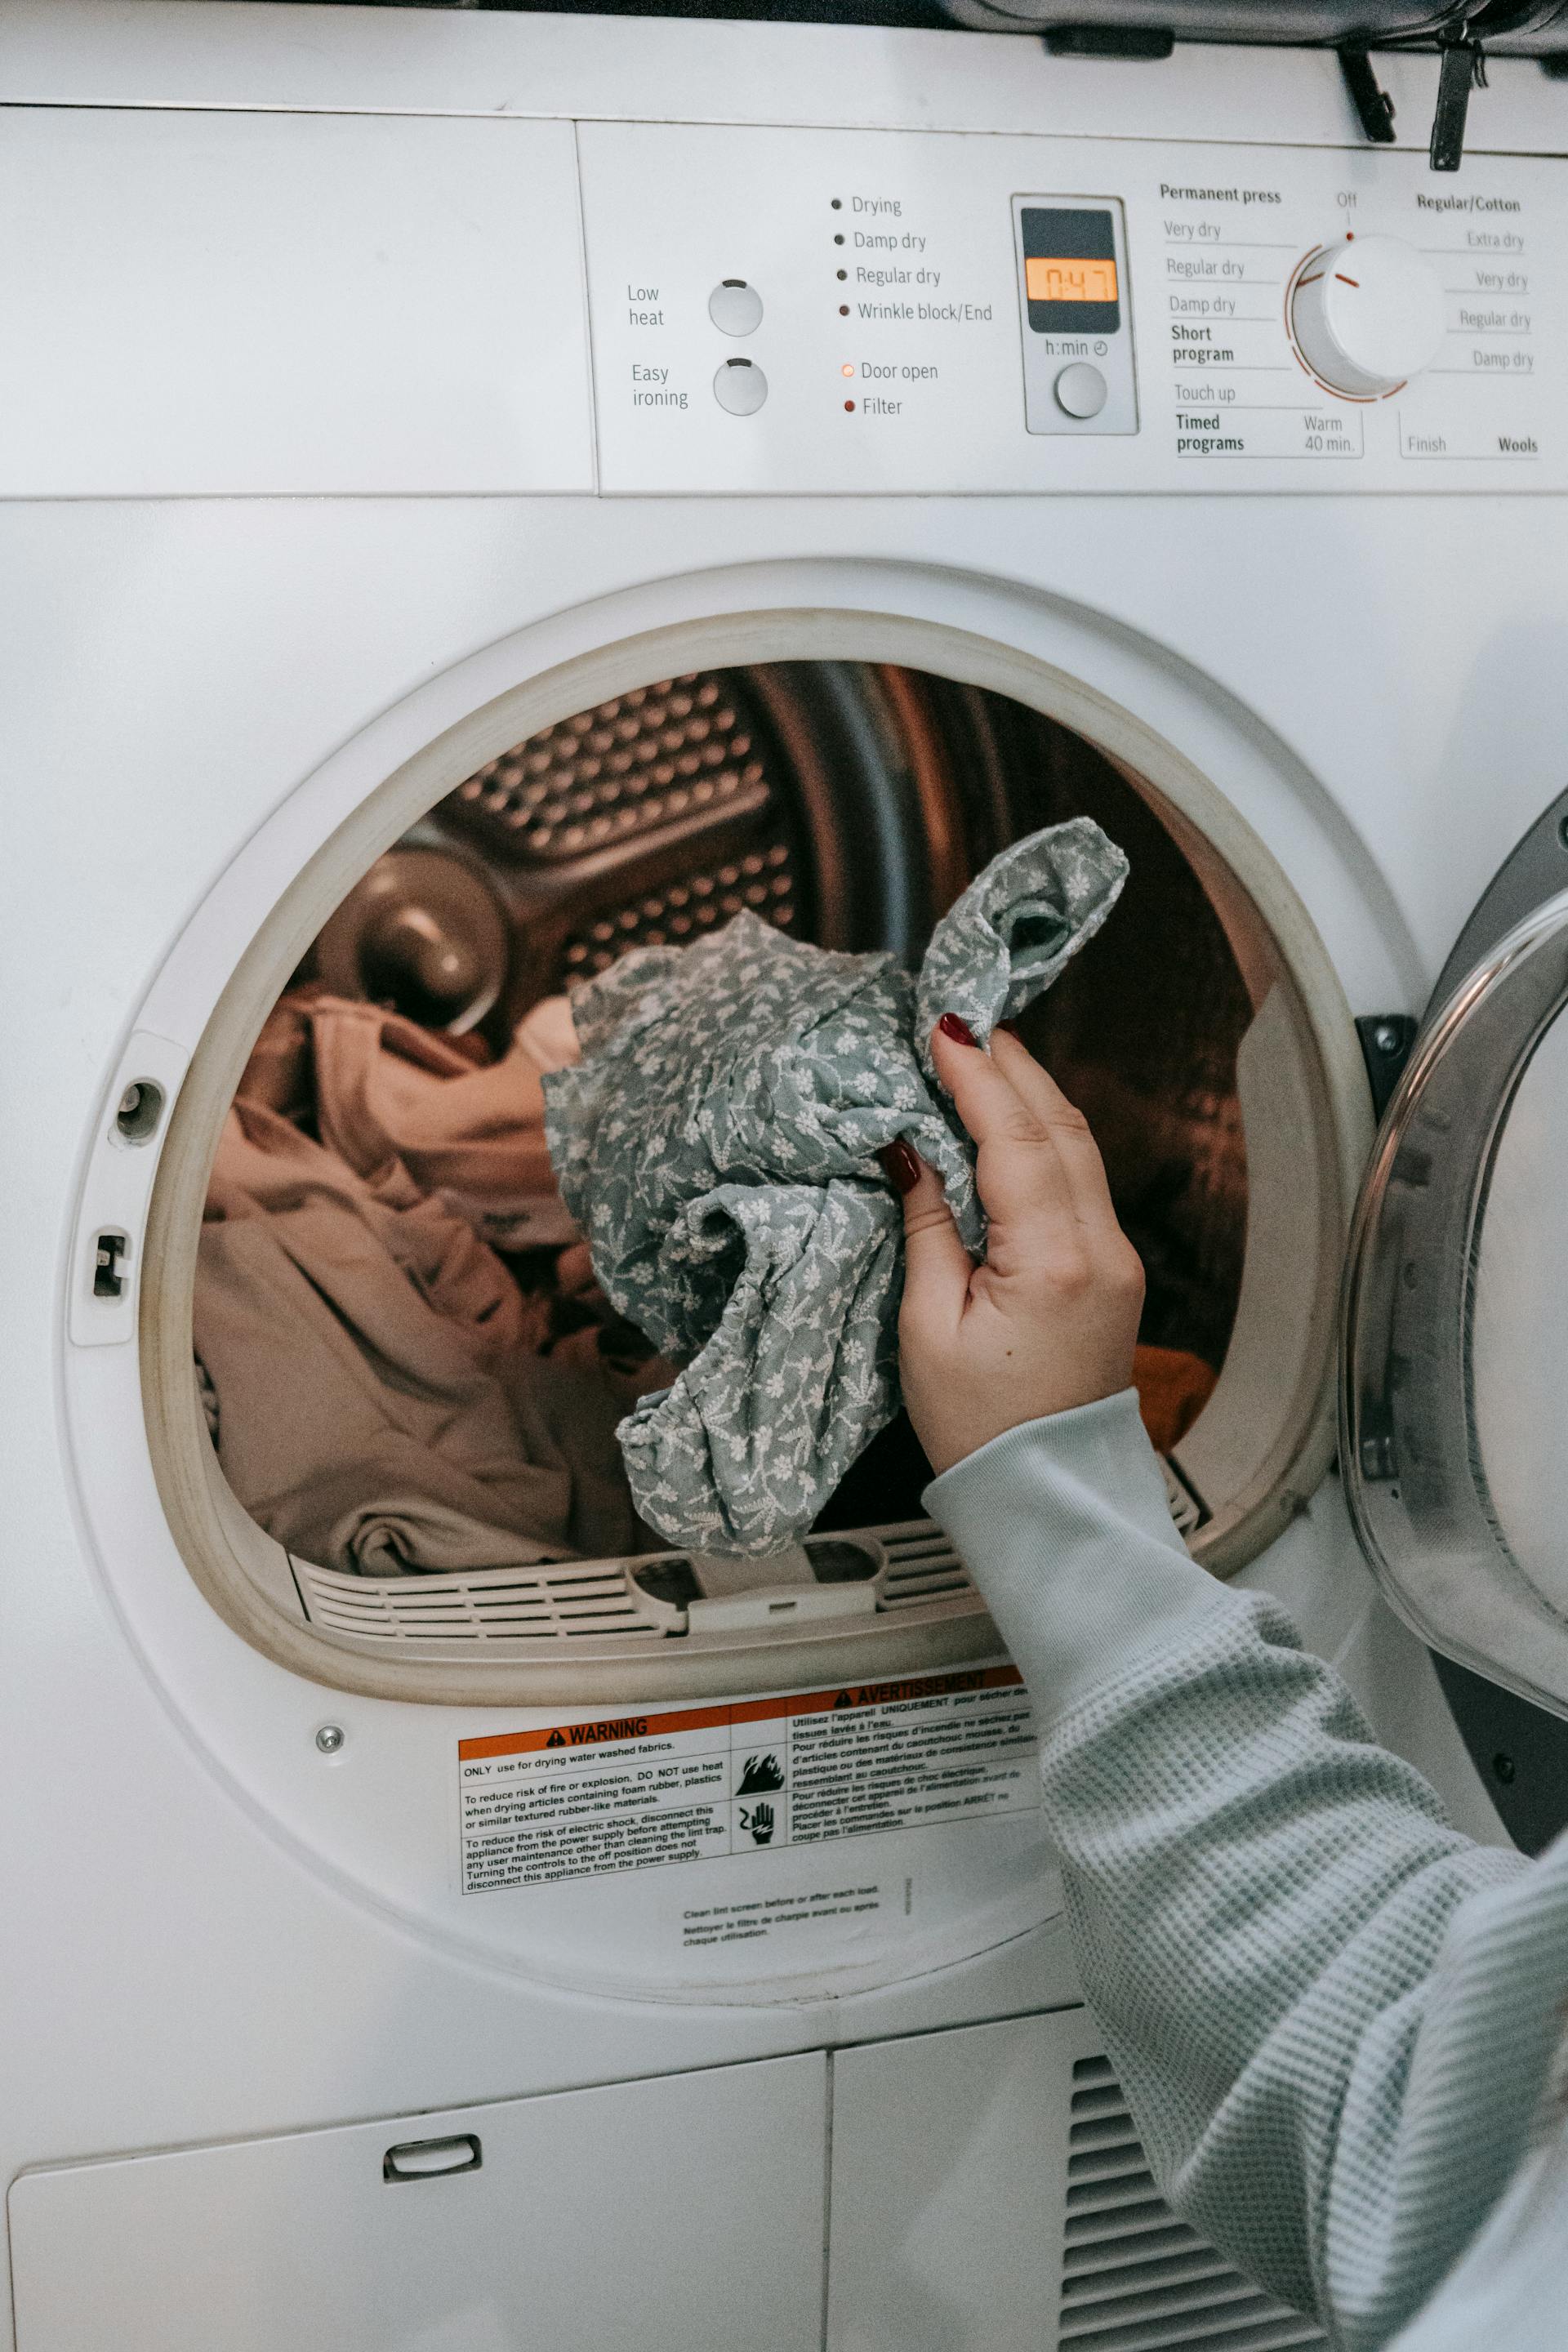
609, 1729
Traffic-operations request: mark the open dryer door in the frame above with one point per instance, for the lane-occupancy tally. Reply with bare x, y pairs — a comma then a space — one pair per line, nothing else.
1455, 1366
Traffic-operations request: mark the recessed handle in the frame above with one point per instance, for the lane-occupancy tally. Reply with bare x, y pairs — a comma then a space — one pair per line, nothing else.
432, 2159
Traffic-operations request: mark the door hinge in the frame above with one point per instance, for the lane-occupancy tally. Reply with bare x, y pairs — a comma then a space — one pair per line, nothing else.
1386, 1041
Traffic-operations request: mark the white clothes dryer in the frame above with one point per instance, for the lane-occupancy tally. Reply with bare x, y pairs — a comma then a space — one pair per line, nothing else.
483, 490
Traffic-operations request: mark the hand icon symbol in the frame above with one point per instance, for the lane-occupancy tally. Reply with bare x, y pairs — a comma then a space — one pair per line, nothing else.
760, 1823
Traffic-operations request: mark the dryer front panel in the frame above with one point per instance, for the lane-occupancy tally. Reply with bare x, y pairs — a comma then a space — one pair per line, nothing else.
229, 303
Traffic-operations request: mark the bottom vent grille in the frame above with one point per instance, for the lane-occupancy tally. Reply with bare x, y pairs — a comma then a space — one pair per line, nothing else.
1135, 2278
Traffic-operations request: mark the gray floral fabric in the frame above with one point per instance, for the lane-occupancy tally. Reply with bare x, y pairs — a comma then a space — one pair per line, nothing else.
717, 1145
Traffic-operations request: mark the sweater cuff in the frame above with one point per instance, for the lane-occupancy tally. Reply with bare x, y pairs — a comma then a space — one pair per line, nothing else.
1065, 1526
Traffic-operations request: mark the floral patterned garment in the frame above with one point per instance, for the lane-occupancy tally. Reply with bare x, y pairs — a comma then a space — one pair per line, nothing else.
717, 1144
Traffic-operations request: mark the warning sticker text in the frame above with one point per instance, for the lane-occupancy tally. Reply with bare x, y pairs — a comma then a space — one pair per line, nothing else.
628, 1791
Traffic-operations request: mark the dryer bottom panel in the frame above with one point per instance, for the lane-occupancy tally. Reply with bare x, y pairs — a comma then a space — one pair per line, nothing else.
681, 2215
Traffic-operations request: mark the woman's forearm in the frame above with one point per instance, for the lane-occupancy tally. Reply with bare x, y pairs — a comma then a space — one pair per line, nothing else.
1332, 2015
1273, 1920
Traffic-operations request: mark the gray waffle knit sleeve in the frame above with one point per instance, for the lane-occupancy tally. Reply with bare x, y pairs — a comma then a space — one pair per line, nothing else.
1333, 2014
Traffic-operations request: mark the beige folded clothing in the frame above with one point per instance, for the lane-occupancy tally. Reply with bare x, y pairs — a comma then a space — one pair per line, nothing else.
382, 1088
380, 1404
266, 1168
357, 1423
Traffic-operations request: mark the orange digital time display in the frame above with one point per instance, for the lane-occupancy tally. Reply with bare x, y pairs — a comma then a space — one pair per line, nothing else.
1072, 284
1060, 278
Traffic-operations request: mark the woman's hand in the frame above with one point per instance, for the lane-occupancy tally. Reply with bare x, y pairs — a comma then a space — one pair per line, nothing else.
1049, 1320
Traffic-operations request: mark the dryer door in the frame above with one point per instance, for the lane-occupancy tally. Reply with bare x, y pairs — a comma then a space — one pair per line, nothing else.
1454, 1393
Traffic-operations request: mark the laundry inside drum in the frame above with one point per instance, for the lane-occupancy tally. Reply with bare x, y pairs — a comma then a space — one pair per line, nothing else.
410, 1371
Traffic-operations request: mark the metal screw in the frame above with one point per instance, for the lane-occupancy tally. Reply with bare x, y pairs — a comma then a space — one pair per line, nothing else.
1563, 831
1503, 1766
330, 1739
1385, 1038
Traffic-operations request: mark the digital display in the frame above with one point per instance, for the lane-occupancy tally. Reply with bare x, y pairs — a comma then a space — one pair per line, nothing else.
1055, 278
1071, 283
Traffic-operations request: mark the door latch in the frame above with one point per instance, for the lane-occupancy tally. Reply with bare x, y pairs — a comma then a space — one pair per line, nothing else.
433, 2159
109, 1270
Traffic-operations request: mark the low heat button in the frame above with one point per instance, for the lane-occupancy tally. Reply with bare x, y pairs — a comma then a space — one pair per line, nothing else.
1080, 390
740, 387
735, 308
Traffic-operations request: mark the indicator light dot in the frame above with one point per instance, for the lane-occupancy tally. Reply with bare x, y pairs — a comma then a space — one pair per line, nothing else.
844, 310
838, 236
847, 368
849, 404
843, 273
838, 203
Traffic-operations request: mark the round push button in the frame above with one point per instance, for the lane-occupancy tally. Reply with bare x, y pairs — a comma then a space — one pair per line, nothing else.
735, 308
740, 387
1080, 390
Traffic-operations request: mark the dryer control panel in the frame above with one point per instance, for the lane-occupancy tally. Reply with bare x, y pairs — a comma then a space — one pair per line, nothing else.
779, 310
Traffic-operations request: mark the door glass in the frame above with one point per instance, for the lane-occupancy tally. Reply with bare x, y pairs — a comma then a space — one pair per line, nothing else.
1519, 1339
1456, 1352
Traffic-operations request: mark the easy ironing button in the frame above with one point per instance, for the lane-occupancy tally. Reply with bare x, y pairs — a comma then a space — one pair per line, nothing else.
1080, 390
740, 387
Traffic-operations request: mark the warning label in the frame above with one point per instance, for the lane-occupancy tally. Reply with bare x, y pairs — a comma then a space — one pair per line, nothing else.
631, 1791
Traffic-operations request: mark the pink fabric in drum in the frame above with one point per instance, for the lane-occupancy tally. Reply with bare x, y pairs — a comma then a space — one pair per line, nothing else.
382, 1405
383, 1088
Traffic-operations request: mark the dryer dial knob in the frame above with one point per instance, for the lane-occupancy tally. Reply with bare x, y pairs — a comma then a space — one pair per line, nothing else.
1368, 314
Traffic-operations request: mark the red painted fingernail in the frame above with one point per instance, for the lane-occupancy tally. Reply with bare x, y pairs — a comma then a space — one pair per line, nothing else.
953, 1025
901, 1162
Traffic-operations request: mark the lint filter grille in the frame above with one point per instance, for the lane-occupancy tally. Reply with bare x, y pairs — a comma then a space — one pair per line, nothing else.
1135, 2277
557, 1601
907, 1566
642, 1599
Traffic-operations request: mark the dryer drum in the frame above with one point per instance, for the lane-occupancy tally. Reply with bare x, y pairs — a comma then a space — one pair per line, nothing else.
848, 803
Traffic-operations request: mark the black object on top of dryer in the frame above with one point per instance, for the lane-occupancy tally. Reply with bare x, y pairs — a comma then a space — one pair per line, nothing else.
1147, 28
1514, 27
1460, 30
